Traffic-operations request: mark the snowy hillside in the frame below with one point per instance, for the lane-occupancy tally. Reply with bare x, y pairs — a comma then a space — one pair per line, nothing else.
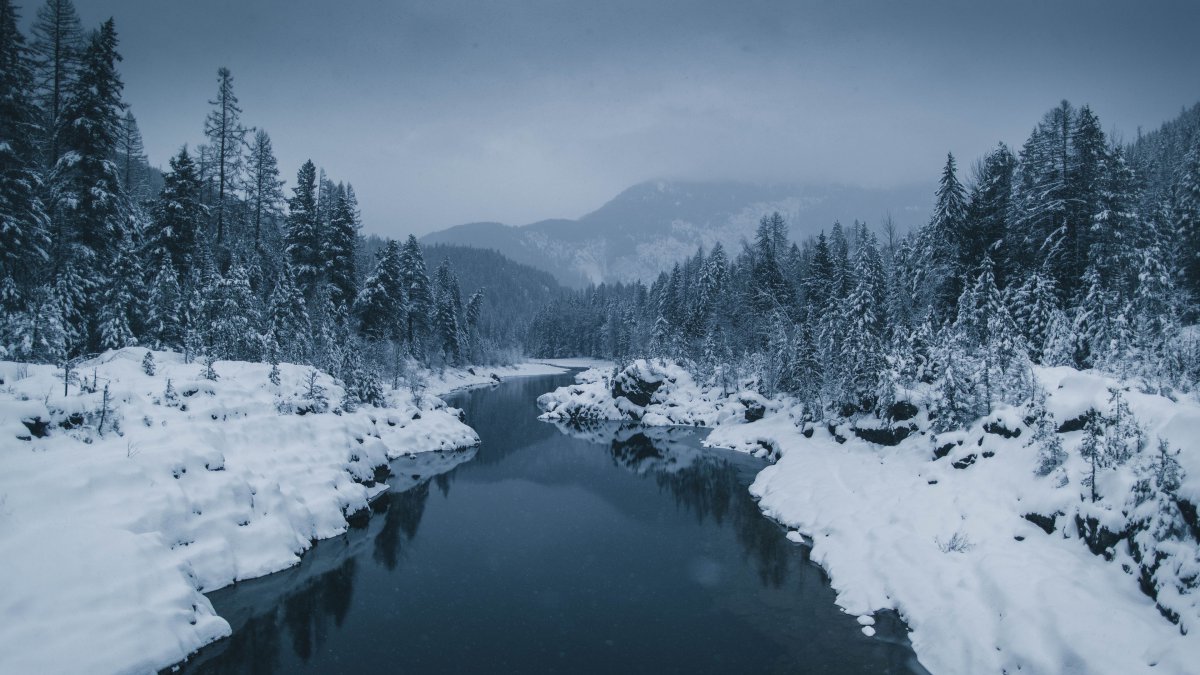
994, 567
126, 499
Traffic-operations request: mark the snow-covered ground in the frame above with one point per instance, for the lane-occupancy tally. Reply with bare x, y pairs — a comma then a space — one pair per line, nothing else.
944, 541
110, 536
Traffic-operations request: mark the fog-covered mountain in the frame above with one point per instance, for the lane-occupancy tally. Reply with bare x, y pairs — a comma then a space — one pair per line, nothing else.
650, 226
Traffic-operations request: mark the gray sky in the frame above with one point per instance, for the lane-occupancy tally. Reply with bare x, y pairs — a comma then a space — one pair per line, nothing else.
444, 111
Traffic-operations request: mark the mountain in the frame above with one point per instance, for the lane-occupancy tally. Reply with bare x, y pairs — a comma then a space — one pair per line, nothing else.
650, 226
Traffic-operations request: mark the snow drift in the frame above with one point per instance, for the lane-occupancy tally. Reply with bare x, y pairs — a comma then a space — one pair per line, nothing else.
126, 499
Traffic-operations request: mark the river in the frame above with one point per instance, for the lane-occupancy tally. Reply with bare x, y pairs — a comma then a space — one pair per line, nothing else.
612, 549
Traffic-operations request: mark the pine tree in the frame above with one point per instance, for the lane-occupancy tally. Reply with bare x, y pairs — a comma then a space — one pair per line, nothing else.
1045, 438
942, 242
227, 138
264, 192
1123, 437
57, 46
862, 348
120, 303
90, 129
447, 303
1186, 218
419, 294
1091, 449
986, 221
304, 239
164, 329
131, 159
24, 241
234, 318
174, 232
288, 321
1034, 305
381, 307
338, 249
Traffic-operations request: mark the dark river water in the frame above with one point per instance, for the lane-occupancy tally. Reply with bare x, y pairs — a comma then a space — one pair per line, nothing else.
551, 550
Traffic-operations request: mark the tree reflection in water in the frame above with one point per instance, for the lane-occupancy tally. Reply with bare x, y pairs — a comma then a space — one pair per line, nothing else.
709, 483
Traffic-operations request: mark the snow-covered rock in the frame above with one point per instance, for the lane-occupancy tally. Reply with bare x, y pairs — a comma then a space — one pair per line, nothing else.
110, 535
652, 391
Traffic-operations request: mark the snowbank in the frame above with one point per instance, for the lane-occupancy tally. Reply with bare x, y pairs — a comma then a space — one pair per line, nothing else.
944, 540
110, 536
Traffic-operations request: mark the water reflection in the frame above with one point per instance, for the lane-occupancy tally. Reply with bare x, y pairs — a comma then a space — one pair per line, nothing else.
708, 483
300, 604
597, 549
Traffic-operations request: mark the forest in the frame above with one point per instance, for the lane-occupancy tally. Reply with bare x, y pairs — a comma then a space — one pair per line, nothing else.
98, 250
1075, 250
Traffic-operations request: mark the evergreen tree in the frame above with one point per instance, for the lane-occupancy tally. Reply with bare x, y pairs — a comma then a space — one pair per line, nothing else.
264, 192
338, 249
288, 321
381, 307
942, 242
57, 46
90, 195
446, 318
164, 328
304, 238
227, 138
24, 241
175, 229
131, 159
419, 294
234, 318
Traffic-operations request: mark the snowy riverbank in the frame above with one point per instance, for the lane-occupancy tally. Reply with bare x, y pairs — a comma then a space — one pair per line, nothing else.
944, 540
110, 535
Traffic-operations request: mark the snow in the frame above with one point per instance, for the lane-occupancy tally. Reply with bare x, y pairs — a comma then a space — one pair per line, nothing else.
981, 588
456, 379
109, 540
654, 392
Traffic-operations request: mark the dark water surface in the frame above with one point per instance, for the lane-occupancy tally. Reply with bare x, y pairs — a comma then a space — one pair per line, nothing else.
608, 550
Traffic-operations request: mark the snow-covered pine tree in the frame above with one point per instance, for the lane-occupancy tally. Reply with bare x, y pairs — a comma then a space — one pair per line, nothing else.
24, 239
234, 317
227, 139
986, 221
1124, 438
121, 302
304, 240
1185, 211
1033, 306
447, 300
941, 244
1160, 530
88, 187
57, 47
381, 307
174, 231
287, 318
264, 193
419, 294
1045, 438
337, 248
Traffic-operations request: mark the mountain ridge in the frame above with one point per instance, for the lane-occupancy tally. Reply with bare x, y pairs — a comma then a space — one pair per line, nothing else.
649, 226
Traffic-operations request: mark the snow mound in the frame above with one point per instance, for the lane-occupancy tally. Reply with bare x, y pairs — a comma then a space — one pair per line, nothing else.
119, 509
654, 392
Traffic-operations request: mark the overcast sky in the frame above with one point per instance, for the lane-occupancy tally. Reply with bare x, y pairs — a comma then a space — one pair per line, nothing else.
442, 111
